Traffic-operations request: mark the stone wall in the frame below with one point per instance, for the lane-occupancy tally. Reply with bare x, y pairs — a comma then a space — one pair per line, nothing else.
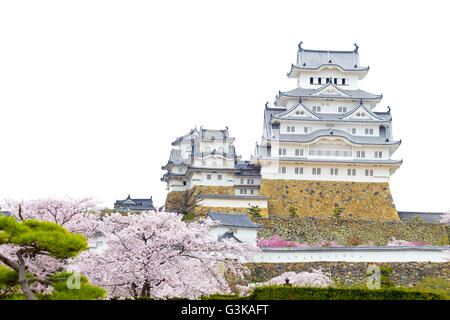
405, 274
350, 232
172, 195
222, 190
360, 200
202, 211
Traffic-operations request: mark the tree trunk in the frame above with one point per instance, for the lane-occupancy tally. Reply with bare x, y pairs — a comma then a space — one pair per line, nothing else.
24, 284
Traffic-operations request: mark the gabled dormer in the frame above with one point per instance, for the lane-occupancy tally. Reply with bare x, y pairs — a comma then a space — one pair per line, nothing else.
361, 113
330, 89
299, 111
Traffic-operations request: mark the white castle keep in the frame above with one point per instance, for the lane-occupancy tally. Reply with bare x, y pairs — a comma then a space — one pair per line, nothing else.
323, 146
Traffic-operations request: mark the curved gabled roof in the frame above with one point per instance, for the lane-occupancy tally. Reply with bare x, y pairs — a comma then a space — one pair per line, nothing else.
348, 94
313, 136
308, 59
334, 117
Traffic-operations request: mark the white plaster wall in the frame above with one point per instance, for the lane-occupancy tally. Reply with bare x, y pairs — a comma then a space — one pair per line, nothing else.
380, 173
355, 255
352, 78
327, 144
243, 234
233, 203
315, 125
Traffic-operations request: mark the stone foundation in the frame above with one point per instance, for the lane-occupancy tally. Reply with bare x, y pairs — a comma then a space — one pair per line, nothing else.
222, 190
405, 274
203, 211
352, 232
360, 200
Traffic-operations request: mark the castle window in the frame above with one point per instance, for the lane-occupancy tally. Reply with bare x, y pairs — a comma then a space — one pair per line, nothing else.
316, 171
299, 152
343, 81
316, 108
282, 152
328, 80
219, 177
311, 80
360, 154
290, 128
251, 191
342, 109
369, 172
242, 181
298, 170
282, 170
378, 154
180, 169
305, 129
335, 80
319, 80
208, 176
333, 172
351, 172
369, 131
184, 183
353, 130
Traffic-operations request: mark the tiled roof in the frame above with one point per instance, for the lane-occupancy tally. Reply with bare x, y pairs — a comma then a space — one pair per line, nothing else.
349, 94
314, 59
134, 204
5, 213
233, 219
382, 139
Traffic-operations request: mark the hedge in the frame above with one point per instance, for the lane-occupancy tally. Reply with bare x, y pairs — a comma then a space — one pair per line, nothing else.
310, 293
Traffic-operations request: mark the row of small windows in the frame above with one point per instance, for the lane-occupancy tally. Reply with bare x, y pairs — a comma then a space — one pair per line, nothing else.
333, 171
244, 191
336, 81
367, 131
301, 152
298, 152
209, 177
318, 109
249, 181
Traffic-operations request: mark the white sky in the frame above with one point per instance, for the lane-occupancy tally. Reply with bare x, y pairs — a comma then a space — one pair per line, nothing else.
92, 93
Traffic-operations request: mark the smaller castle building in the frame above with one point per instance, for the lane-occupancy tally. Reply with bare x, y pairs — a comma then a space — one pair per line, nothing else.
206, 159
132, 204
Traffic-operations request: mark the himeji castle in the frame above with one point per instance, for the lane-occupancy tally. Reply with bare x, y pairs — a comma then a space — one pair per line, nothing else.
323, 146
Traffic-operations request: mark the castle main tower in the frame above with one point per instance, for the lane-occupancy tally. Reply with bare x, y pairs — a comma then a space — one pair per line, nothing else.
324, 146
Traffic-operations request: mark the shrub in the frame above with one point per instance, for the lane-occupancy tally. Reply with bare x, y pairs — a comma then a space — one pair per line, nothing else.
254, 211
338, 213
293, 212
436, 285
308, 293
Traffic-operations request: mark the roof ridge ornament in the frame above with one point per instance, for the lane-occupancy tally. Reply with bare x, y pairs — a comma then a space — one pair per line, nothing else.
267, 105
356, 47
389, 109
300, 46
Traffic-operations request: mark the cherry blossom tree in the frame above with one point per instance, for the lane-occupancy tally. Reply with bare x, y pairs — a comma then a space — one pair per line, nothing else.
316, 278
446, 218
156, 254
75, 215
397, 242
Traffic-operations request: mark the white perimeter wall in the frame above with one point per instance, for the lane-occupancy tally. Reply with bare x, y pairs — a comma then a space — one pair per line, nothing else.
354, 255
